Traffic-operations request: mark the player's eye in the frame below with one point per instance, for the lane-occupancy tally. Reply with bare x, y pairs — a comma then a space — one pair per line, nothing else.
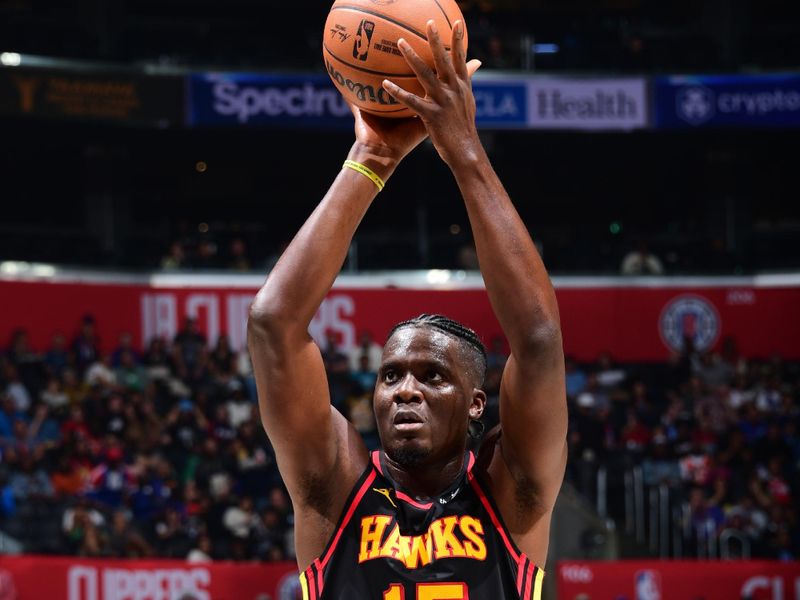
433, 376
390, 376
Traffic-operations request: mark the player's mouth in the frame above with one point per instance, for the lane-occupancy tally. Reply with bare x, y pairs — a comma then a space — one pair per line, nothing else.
407, 420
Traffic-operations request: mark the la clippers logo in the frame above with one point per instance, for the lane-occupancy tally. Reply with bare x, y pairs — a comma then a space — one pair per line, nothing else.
289, 587
363, 40
690, 317
648, 585
696, 105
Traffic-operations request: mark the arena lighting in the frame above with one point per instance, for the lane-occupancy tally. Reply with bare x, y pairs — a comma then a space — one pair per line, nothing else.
437, 276
16, 268
10, 59
546, 48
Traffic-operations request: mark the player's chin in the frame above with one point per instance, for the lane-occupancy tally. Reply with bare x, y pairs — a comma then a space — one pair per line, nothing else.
408, 452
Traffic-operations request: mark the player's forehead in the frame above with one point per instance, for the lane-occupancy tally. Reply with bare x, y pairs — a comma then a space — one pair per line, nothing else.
418, 342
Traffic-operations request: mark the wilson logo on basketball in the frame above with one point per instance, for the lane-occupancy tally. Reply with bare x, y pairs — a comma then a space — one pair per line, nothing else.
362, 91
363, 40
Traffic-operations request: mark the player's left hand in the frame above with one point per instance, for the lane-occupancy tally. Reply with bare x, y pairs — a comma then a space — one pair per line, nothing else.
448, 108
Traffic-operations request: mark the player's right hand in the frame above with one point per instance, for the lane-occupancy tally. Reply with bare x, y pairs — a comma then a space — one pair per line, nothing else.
390, 138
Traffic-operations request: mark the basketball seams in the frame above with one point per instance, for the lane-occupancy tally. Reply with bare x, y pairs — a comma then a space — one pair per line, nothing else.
365, 70
446, 17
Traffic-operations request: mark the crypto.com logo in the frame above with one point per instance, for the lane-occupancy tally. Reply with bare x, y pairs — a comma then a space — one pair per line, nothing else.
696, 105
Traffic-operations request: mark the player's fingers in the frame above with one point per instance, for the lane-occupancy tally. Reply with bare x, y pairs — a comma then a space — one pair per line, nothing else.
473, 66
441, 59
412, 101
424, 73
457, 50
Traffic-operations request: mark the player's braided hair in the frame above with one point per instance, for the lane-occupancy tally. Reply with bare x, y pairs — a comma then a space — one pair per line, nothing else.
451, 327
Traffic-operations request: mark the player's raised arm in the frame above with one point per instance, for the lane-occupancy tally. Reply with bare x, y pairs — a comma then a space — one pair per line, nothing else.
533, 401
319, 455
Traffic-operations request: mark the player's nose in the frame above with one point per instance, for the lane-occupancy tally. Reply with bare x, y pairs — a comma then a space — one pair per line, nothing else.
408, 390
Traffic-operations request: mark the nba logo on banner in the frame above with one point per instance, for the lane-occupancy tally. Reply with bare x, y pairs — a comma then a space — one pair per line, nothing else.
363, 40
692, 317
648, 585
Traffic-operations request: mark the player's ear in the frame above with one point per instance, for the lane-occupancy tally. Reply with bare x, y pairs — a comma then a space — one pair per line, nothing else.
478, 404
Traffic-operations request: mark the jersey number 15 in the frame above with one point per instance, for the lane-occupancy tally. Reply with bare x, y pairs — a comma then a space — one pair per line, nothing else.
429, 591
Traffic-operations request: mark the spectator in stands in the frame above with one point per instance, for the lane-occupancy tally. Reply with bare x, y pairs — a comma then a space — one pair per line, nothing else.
364, 377
155, 489
205, 255
75, 426
111, 480
74, 387
30, 482
704, 512
8, 416
496, 355
188, 346
641, 262
113, 421
44, 431
16, 390
175, 257
254, 458
713, 370
129, 373
66, 479
337, 366
239, 407
575, 377
54, 396
241, 520
202, 552
157, 355
238, 259
366, 348
124, 541
172, 541
81, 526
125, 346
359, 410
86, 345
223, 361
57, 358
101, 372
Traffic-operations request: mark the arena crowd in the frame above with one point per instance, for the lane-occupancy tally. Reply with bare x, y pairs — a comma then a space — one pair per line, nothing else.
159, 451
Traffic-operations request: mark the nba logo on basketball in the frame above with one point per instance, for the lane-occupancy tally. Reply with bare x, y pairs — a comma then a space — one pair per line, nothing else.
648, 585
363, 40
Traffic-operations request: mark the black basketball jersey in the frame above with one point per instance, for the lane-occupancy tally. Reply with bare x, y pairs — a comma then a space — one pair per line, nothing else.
387, 546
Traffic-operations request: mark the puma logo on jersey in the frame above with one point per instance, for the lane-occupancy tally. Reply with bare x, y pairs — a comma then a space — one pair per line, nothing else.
448, 537
385, 492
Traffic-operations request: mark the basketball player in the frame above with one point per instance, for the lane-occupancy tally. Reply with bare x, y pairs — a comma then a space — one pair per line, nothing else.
423, 519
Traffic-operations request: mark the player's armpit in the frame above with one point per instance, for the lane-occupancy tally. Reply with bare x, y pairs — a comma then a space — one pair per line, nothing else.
533, 416
312, 440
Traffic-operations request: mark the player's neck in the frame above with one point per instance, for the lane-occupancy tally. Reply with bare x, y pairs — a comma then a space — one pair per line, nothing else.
427, 480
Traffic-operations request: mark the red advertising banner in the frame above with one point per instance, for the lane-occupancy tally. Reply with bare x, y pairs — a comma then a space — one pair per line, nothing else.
634, 323
678, 580
34, 578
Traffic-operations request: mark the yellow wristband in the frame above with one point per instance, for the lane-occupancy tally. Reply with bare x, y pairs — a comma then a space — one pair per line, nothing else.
366, 172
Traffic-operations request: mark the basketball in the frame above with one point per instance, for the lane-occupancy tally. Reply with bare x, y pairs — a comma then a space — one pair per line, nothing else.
360, 47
